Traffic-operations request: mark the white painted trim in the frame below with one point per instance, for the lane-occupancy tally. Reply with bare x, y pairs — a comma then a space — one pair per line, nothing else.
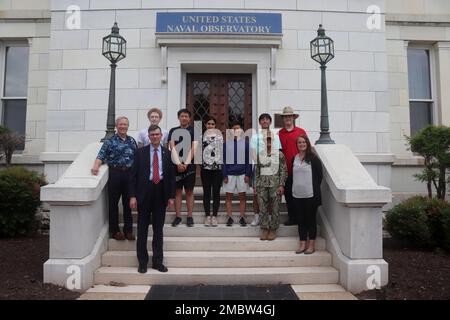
273, 65
432, 54
58, 157
193, 40
164, 64
374, 158
3, 45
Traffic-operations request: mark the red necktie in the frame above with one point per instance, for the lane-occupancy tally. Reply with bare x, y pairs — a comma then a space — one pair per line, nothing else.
156, 177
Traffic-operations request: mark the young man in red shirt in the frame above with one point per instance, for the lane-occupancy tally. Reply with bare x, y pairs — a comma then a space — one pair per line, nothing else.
288, 138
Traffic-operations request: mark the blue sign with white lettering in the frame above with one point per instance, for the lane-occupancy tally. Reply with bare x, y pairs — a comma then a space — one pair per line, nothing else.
219, 22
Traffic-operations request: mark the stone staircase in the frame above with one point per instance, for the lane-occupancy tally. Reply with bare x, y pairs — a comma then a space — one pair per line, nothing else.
216, 255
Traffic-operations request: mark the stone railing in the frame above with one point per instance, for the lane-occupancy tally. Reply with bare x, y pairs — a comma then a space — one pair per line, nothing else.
78, 222
351, 219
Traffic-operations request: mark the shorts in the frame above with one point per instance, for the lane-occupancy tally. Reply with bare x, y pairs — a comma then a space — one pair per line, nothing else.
236, 184
188, 182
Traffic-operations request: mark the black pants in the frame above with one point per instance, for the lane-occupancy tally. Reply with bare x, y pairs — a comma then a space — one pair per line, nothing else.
155, 211
290, 204
118, 187
211, 180
306, 217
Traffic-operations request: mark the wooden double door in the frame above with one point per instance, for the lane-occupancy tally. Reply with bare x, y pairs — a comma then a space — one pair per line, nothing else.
226, 97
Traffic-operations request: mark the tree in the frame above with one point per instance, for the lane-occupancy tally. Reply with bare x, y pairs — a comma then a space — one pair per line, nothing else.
433, 144
9, 141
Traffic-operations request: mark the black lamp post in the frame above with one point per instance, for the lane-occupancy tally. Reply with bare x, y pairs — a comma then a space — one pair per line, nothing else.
114, 49
322, 51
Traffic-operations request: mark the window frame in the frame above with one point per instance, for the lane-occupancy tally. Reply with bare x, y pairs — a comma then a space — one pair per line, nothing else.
434, 104
3, 45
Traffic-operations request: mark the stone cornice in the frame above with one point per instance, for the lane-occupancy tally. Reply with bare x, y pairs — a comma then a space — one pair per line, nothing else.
418, 20
25, 14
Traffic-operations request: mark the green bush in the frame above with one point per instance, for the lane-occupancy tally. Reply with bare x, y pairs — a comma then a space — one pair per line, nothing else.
19, 194
421, 221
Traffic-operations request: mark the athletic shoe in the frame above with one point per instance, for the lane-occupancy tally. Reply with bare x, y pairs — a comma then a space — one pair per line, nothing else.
255, 221
190, 222
208, 221
230, 221
214, 221
242, 222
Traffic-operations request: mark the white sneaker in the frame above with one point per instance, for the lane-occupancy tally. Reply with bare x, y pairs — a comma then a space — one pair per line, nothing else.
214, 221
208, 221
255, 221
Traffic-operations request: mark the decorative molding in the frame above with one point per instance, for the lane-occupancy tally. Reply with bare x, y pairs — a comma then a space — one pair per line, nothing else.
376, 158
164, 64
211, 40
58, 157
443, 45
273, 65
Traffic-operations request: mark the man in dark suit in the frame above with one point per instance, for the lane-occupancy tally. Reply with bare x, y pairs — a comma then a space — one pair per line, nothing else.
152, 189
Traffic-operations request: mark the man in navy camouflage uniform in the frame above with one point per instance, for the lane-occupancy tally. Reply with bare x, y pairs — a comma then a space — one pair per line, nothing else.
271, 175
118, 153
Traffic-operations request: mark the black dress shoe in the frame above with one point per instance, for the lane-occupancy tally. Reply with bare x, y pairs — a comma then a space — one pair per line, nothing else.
160, 268
142, 269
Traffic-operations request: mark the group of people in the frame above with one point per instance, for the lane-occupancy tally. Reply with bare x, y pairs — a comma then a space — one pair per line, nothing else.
150, 175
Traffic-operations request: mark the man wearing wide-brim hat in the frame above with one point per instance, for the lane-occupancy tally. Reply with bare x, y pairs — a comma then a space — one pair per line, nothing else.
288, 137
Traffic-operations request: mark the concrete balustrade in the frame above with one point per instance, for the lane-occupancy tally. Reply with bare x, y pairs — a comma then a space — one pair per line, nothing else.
351, 218
78, 222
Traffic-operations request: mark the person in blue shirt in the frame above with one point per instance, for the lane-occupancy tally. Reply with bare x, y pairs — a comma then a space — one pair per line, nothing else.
236, 171
118, 153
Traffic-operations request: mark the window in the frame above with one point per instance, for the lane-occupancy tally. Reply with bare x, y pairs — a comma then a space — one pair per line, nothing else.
14, 86
420, 89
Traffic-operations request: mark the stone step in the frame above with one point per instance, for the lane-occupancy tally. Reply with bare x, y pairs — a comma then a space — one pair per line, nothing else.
198, 193
199, 217
198, 207
326, 296
200, 230
109, 292
316, 288
224, 259
219, 244
219, 276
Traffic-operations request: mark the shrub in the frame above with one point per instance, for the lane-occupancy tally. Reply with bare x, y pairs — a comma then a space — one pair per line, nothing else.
19, 194
421, 221
433, 144
9, 142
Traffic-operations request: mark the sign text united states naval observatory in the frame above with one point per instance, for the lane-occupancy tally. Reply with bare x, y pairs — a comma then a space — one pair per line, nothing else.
220, 22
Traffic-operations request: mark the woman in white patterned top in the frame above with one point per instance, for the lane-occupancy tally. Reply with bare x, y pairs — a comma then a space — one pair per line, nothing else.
211, 169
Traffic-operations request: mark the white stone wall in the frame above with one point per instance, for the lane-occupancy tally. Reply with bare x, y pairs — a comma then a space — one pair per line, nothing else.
418, 7
357, 78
